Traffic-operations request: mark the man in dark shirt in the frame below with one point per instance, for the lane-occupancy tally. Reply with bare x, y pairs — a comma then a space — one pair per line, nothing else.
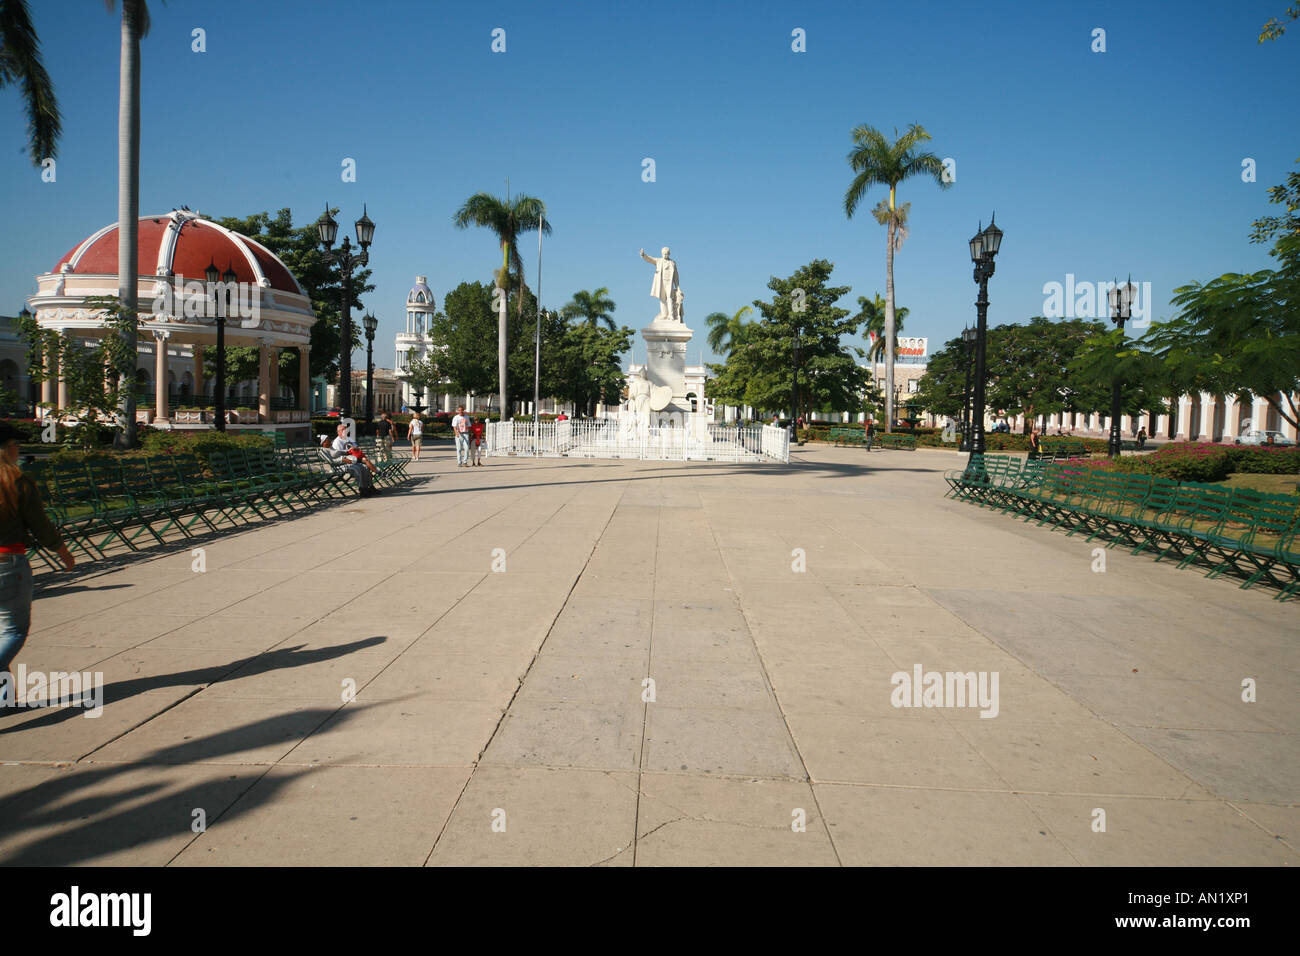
384, 430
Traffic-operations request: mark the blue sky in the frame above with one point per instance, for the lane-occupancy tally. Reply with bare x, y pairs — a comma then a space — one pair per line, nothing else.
1098, 164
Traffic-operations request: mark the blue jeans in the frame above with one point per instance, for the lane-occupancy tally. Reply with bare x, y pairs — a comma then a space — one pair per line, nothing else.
462, 448
15, 606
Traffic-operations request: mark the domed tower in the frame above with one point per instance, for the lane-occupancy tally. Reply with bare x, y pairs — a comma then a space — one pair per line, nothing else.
413, 344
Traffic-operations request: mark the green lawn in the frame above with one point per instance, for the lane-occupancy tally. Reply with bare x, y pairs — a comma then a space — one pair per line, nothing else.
1272, 484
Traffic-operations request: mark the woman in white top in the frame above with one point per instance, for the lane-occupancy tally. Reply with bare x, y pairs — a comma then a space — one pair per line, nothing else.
416, 435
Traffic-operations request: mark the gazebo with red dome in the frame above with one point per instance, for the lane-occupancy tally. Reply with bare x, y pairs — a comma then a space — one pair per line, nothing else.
176, 319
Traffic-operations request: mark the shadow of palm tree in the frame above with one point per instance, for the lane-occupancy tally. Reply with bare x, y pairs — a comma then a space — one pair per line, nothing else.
103, 832
278, 659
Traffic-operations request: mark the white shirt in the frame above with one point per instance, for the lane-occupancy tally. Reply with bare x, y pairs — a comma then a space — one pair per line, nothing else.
459, 424
417, 428
341, 444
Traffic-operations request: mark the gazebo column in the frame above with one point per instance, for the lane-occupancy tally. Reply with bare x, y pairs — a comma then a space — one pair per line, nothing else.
199, 393
304, 377
62, 396
275, 372
49, 387
160, 410
263, 382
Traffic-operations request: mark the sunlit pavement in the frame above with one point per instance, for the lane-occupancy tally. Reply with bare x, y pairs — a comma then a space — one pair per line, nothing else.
613, 662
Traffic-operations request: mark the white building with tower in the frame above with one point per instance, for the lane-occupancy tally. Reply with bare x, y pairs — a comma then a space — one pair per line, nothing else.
413, 344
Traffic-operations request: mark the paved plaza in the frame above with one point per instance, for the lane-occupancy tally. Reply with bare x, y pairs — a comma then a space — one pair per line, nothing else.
582, 662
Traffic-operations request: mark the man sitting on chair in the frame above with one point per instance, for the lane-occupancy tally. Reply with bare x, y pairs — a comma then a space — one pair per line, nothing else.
365, 487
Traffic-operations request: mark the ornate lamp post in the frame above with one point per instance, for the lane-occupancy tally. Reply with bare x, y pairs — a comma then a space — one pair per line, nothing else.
984, 247
220, 298
968, 336
370, 323
1121, 304
327, 229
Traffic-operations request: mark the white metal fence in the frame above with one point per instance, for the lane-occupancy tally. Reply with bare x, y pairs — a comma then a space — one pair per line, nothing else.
612, 438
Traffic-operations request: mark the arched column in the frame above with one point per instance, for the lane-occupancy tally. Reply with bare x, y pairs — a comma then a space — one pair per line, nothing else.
263, 382
304, 377
49, 387
62, 396
160, 410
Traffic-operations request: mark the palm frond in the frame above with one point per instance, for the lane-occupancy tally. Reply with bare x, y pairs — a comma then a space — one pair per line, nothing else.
20, 62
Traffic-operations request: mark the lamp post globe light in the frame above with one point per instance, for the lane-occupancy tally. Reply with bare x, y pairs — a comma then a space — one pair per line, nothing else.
968, 337
327, 231
1121, 304
984, 246
370, 323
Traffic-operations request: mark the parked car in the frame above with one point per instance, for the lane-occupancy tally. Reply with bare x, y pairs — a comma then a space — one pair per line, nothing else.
1258, 436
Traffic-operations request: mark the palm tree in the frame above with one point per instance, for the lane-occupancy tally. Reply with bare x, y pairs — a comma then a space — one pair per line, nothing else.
20, 62
872, 314
726, 331
877, 161
592, 307
507, 218
135, 24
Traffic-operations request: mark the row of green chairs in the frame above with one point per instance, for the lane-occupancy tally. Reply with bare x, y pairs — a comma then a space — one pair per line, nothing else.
99, 504
1251, 534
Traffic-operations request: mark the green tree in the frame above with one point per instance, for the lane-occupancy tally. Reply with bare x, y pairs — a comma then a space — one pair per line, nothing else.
1028, 369
877, 161
298, 247
871, 314
20, 63
591, 307
94, 375
463, 336
1275, 27
727, 331
1241, 333
508, 219
1110, 355
799, 333
942, 389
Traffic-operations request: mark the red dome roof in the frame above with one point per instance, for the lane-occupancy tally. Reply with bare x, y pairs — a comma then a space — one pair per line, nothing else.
178, 243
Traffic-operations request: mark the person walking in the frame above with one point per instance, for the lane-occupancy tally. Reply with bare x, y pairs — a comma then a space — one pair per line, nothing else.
22, 521
460, 428
476, 434
1142, 437
1035, 443
415, 432
384, 431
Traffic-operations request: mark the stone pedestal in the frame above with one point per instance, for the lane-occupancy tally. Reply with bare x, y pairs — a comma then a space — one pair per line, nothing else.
666, 360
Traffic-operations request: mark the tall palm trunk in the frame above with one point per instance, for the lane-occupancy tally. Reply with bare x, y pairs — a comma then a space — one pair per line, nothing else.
503, 285
889, 315
128, 203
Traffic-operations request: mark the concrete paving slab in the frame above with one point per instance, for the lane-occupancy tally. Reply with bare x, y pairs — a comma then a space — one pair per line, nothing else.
1158, 832
689, 820
415, 732
332, 816
535, 816
900, 826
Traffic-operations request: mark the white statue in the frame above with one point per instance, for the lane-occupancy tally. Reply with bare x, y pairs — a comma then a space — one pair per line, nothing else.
666, 286
638, 395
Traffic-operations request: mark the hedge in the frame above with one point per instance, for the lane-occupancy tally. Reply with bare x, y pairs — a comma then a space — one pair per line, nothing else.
1206, 462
